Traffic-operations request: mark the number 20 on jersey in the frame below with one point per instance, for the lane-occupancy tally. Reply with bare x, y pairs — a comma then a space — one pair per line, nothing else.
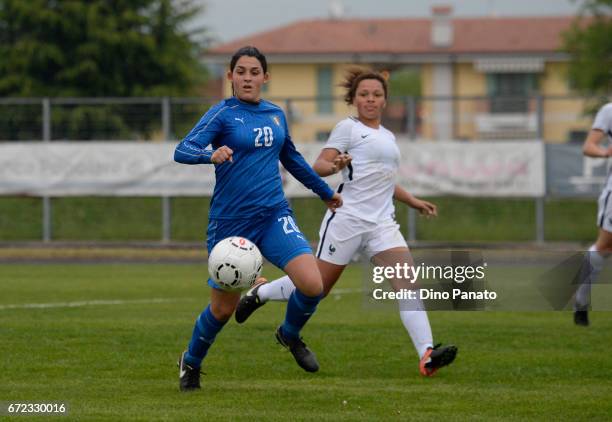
267, 134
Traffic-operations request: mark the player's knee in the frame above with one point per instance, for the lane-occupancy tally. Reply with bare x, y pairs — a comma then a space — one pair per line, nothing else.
312, 288
605, 250
603, 246
223, 311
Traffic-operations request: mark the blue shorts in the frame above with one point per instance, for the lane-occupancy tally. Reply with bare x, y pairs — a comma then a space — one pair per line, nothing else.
275, 233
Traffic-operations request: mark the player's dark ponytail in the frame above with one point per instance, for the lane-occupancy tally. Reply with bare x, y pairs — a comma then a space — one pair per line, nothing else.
251, 52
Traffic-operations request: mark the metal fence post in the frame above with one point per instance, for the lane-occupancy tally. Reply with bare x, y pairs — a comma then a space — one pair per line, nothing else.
46, 201
46, 219
289, 112
46, 119
539, 208
166, 219
166, 203
540, 204
540, 117
411, 117
412, 225
166, 122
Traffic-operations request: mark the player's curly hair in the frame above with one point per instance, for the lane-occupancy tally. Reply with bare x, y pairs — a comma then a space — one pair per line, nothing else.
355, 75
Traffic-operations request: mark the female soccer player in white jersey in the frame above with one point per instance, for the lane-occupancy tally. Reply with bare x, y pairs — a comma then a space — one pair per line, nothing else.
245, 137
368, 157
594, 260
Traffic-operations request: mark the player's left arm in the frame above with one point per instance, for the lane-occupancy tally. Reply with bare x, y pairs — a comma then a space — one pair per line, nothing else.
592, 145
426, 208
602, 125
295, 164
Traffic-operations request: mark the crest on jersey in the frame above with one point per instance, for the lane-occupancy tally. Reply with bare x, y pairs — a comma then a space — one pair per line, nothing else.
332, 249
276, 120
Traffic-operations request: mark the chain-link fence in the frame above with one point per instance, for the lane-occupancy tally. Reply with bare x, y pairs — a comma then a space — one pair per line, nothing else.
554, 119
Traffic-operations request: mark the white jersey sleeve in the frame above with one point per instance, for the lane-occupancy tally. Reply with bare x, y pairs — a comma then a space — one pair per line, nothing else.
368, 182
340, 137
603, 120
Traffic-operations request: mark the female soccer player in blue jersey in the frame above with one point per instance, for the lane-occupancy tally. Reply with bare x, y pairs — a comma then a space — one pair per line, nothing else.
368, 156
245, 137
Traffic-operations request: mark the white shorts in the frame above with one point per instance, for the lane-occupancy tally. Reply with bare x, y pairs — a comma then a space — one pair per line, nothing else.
604, 210
336, 248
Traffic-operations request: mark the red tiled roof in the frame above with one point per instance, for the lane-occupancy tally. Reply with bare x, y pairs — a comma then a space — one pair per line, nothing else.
441, 10
407, 36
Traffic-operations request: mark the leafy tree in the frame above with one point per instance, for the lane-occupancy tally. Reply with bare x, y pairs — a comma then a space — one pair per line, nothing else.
404, 82
589, 43
97, 48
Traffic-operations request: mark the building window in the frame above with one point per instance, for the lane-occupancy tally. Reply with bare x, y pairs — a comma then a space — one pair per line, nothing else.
323, 135
572, 84
509, 92
325, 90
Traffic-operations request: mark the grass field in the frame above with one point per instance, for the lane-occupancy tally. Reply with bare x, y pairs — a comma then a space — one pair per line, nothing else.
116, 360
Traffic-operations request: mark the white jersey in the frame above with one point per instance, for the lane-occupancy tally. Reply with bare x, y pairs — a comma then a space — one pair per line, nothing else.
369, 182
603, 122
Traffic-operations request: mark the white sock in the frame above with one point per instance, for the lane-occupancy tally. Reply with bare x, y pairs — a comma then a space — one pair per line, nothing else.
583, 294
279, 289
414, 318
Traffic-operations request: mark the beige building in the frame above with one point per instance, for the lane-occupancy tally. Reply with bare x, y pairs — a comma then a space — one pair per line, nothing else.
481, 78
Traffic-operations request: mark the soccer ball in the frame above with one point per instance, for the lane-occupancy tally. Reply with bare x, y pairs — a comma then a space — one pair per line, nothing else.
235, 263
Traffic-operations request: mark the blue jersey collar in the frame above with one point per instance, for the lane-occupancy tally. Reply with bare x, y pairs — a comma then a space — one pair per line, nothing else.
247, 104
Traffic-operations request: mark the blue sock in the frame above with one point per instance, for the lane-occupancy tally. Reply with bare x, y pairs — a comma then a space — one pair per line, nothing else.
299, 309
204, 333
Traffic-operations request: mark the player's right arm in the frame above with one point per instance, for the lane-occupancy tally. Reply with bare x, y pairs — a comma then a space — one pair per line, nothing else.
334, 156
197, 147
331, 161
602, 125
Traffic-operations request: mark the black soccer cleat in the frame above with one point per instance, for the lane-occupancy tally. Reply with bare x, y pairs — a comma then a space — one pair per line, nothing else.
302, 354
189, 377
249, 303
437, 357
581, 318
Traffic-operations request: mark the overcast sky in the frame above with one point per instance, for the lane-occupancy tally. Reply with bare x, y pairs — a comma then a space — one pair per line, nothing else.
231, 19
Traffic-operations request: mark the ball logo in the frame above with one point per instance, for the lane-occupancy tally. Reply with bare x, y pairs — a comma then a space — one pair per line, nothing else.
241, 241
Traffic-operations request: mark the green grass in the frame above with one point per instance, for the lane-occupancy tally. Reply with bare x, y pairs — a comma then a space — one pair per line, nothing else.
189, 218
116, 362
133, 219
104, 218
571, 219
470, 219
20, 218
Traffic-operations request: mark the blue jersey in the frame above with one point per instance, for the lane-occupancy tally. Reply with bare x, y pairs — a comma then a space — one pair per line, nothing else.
259, 136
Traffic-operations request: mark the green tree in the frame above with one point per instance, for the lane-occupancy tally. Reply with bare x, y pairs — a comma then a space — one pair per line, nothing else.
589, 43
98, 48
404, 82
